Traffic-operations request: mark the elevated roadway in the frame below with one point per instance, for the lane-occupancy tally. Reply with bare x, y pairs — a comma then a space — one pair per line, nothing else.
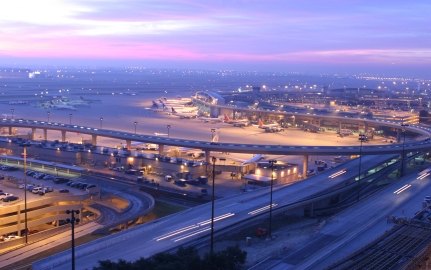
274, 149
194, 224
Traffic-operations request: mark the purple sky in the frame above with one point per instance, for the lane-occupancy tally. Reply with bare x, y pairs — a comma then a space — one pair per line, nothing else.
308, 35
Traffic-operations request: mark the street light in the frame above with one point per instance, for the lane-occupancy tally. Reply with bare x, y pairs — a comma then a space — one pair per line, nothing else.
213, 130
101, 122
49, 114
403, 151
271, 164
168, 127
25, 194
213, 159
70, 119
135, 123
362, 138
73, 221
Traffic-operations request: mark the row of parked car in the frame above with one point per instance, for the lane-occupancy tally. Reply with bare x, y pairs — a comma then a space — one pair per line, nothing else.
80, 185
40, 175
8, 168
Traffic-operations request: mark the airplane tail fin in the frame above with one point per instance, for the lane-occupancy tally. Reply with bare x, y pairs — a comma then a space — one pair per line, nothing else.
173, 110
226, 118
260, 123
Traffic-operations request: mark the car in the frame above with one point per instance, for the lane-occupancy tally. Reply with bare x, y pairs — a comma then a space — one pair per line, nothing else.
48, 189
4, 195
11, 237
36, 190
64, 190
60, 180
10, 198
41, 192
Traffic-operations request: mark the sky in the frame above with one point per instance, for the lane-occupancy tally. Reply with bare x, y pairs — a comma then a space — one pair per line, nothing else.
272, 35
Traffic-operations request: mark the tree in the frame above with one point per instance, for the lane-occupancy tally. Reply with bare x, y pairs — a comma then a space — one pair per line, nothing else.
232, 258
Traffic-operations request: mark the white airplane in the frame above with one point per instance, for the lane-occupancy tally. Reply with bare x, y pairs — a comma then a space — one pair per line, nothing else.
184, 115
211, 119
236, 123
256, 158
262, 125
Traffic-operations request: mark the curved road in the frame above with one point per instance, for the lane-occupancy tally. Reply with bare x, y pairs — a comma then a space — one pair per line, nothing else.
242, 148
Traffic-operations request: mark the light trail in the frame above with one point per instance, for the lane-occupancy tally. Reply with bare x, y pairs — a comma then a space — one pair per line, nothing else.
254, 212
192, 234
401, 189
206, 222
170, 234
422, 176
332, 176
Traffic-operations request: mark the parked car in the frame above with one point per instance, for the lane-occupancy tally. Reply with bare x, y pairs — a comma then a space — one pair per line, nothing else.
10, 198
64, 190
4, 195
36, 190
11, 237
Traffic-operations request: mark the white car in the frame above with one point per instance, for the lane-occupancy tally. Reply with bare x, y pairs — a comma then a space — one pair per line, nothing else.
37, 189
4, 195
11, 237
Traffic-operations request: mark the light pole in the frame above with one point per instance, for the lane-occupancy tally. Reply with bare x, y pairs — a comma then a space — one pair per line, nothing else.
271, 164
362, 138
13, 112
403, 151
49, 114
135, 123
213, 159
101, 122
168, 127
73, 221
70, 119
213, 130
25, 194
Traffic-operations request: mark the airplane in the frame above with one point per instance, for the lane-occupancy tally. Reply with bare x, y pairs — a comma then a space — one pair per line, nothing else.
158, 106
264, 126
184, 115
211, 119
345, 132
236, 123
256, 158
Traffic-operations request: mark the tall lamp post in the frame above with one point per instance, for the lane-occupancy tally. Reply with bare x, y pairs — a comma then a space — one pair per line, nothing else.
101, 122
168, 127
362, 138
73, 220
25, 194
135, 123
213, 159
271, 164
403, 151
70, 119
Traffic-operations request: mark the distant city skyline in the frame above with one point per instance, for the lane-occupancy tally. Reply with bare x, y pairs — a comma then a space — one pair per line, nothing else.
275, 35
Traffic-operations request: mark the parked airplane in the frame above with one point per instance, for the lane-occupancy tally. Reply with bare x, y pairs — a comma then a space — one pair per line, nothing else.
236, 123
264, 126
184, 115
211, 119
256, 158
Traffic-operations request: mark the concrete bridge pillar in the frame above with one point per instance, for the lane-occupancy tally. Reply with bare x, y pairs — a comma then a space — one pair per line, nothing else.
63, 135
234, 115
33, 133
365, 127
398, 136
340, 126
94, 140
45, 134
10, 130
304, 166
128, 144
161, 149
207, 156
